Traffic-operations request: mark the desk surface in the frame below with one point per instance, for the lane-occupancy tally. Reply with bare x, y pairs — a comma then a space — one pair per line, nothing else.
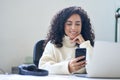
49, 77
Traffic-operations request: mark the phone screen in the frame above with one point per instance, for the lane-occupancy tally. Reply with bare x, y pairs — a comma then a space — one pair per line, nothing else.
80, 52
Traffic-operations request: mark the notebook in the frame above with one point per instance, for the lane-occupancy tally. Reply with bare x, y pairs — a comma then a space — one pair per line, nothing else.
105, 62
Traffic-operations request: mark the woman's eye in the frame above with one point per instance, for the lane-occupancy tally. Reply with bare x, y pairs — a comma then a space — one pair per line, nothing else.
78, 24
69, 24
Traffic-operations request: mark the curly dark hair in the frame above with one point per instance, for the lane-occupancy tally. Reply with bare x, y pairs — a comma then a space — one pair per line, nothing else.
57, 32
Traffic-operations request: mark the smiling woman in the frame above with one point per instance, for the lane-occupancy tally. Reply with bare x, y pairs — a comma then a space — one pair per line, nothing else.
73, 26
69, 28
24, 22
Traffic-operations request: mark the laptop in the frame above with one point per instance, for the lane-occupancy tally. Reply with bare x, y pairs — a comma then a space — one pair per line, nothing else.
105, 61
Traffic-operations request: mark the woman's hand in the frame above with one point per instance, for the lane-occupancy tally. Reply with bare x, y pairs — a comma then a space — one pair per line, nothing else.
74, 65
79, 39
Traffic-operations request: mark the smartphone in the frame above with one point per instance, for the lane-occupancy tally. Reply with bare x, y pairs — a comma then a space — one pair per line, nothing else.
80, 52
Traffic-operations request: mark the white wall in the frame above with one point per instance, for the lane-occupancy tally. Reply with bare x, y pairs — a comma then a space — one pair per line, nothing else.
24, 22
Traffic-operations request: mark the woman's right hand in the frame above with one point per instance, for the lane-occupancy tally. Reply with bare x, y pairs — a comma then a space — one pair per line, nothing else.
79, 39
74, 65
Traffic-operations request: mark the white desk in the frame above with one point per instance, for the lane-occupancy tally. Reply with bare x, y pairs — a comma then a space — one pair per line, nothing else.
50, 77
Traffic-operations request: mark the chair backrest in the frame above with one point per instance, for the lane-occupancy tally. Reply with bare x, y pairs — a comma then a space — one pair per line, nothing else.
38, 51
32, 69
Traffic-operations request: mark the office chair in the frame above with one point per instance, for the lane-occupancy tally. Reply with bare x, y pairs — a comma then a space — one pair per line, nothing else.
38, 51
32, 69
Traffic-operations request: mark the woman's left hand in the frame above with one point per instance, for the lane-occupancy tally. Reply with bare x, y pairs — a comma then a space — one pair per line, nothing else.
79, 39
74, 64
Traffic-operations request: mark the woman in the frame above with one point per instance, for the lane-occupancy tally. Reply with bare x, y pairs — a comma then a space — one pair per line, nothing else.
69, 29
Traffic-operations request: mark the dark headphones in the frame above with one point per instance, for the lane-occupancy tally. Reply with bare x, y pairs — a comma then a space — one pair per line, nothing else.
32, 70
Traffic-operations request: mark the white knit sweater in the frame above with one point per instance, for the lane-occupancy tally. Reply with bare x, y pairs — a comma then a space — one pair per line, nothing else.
56, 60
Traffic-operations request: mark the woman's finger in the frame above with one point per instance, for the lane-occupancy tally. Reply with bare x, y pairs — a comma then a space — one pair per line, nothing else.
79, 39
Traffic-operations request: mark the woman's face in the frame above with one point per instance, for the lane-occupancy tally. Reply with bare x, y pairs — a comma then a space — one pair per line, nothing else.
73, 26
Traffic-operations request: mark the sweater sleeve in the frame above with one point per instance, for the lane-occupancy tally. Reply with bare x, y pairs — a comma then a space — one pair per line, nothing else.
89, 48
49, 62
89, 52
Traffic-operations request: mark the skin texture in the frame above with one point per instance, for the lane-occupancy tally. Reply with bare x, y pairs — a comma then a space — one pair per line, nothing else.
73, 26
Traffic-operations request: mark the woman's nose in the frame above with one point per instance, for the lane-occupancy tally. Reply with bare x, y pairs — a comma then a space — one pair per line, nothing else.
73, 27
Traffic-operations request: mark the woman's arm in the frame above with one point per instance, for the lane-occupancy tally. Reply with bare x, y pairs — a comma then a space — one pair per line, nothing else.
49, 61
89, 50
89, 53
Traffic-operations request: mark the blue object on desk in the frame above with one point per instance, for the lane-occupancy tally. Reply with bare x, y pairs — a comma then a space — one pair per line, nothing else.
31, 69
